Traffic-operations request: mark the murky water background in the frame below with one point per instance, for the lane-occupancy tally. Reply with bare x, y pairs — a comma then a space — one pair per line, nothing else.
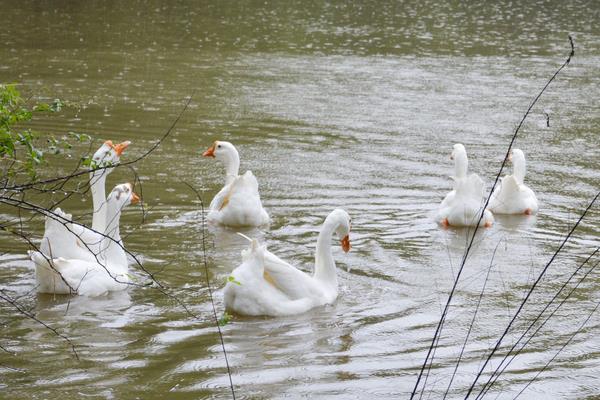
330, 105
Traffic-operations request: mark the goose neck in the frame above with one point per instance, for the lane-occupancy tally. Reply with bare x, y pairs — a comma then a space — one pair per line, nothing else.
232, 166
111, 245
324, 265
461, 165
519, 169
97, 183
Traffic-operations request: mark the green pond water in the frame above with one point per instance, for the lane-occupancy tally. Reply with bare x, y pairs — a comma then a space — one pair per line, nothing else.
330, 104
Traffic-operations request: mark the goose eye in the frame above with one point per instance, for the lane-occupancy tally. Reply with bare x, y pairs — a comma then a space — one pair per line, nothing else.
219, 146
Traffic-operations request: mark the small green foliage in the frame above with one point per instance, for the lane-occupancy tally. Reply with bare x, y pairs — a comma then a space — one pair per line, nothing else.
225, 319
56, 105
89, 162
231, 279
21, 148
80, 137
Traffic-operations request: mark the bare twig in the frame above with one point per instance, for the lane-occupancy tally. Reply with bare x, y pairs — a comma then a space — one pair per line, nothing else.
501, 366
4, 296
428, 362
205, 262
30, 185
531, 289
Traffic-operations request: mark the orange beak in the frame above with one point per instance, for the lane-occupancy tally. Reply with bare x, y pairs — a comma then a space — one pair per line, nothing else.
211, 151
134, 198
346, 243
119, 148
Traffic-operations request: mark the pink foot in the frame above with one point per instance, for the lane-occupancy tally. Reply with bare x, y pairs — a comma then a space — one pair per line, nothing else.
527, 211
445, 223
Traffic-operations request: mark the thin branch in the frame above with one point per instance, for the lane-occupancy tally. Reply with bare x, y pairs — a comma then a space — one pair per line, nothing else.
464, 345
559, 350
205, 262
539, 278
22, 187
501, 367
429, 357
4, 296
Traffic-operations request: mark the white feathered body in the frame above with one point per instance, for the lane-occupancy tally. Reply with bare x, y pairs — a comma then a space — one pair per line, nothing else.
463, 206
512, 197
239, 204
254, 291
78, 276
66, 240
66, 266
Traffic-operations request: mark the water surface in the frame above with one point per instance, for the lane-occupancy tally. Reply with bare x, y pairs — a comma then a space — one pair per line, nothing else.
330, 105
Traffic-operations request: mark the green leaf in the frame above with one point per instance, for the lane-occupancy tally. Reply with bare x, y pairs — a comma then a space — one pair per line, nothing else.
81, 137
225, 319
15, 113
56, 105
42, 107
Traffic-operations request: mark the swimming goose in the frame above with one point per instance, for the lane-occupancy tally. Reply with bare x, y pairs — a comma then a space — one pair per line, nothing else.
512, 196
238, 203
266, 285
463, 205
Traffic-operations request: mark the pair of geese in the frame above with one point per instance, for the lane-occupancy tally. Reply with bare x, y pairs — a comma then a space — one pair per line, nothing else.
463, 206
92, 262
73, 258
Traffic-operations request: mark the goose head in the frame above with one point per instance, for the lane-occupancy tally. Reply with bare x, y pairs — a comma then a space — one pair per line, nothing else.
109, 154
342, 224
516, 155
227, 154
122, 195
222, 151
461, 162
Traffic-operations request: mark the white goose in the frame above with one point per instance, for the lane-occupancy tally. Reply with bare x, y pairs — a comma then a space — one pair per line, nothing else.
238, 203
463, 205
266, 285
63, 239
107, 272
511, 196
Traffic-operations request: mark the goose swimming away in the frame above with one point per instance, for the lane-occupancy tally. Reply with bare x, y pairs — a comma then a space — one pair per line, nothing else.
512, 196
463, 205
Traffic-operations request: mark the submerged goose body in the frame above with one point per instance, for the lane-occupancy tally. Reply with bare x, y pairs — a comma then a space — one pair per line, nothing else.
238, 202
64, 239
512, 196
463, 206
266, 285
106, 272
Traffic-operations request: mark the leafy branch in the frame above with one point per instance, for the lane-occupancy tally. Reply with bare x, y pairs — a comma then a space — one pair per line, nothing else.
22, 150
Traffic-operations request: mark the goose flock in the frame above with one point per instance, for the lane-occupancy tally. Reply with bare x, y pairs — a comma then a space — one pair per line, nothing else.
74, 259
